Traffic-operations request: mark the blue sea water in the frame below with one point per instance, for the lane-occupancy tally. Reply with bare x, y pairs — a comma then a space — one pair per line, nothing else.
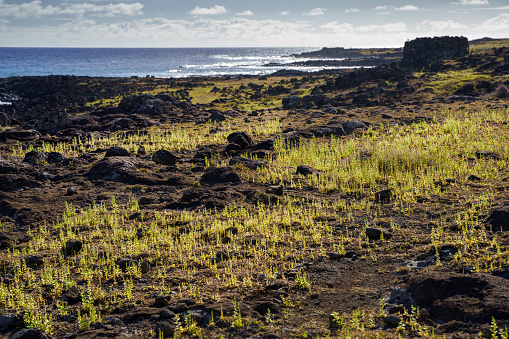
158, 62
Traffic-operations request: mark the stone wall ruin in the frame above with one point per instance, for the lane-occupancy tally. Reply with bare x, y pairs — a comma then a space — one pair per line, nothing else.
423, 52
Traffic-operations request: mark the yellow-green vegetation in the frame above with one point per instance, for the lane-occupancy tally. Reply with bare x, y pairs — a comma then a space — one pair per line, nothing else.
178, 138
482, 45
186, 251
445, 83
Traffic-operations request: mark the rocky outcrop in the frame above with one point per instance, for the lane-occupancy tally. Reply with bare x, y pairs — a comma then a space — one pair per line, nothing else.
423, 52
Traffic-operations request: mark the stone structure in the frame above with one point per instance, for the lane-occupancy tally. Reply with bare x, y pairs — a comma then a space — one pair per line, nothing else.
423, 52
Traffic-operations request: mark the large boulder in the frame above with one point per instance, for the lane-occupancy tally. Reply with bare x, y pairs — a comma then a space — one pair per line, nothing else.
472, 298
147, 104
220, 175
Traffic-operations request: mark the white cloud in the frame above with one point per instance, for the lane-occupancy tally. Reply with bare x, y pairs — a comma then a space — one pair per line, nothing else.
245, 13
284, 13
316, 11
209, 11
35, 9
380, 8
429, 25
471, 2
407, 8
352, 10
343, 28
202, 32
499, 24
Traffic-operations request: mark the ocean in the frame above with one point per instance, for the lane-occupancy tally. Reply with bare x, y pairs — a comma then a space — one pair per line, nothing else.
157, 62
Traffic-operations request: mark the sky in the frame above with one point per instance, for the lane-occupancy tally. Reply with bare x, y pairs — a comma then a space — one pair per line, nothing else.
236, 23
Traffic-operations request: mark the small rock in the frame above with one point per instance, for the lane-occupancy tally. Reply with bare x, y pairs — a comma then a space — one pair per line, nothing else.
231, 230
240, 138
134, 216
216, 117
329, 284
306, 170
30, 333
222, 255
72, 295
72, 246
145, 267
162, 300
166, 328
220, 175
396, 309
276, 190
167, 314
383, 196
231, 147
11, 321
179, 308
116, 151
34, 261
187, 301
124, 263
146, 201
392, 321
35, 157
164, 157
376, 233
72, 190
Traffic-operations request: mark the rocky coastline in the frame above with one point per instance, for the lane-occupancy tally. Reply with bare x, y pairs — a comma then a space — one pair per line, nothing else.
148, 207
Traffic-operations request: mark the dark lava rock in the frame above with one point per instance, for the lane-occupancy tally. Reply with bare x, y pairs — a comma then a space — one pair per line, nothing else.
240, 138
124, 263
376, 233
292, 102
267, 145
35, 157
71, 190
263, 308
72, 295
276, 190
20, 134
126, 170
499, 219
306, 170
51, 122
10, 321
232, 147
392, 321
252, 164
30, 333
219, 175
383, 196
162, 300
167, 314
55, 157
164, 157
216, 117
72, 247
116, 151
5, 120
166, 328
474, 298
34, 261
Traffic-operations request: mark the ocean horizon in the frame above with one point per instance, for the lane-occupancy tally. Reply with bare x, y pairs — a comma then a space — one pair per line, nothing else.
157, 62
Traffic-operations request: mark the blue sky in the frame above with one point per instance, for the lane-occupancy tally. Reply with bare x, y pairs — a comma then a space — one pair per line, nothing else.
235, 23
